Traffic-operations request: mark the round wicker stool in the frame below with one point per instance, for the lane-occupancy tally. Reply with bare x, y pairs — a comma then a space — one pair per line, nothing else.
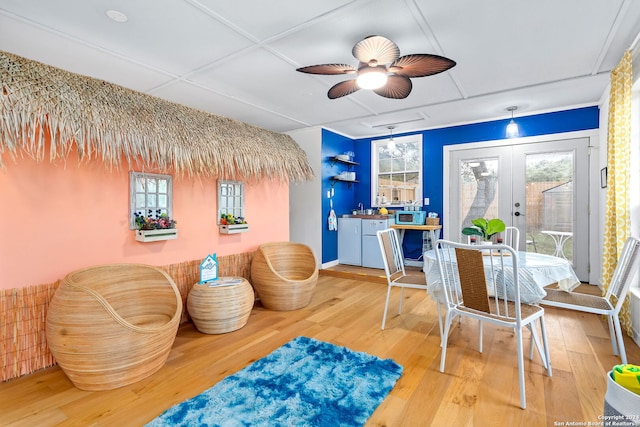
220, 308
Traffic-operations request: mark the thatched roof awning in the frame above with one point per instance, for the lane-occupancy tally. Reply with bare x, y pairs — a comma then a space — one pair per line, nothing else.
110, 122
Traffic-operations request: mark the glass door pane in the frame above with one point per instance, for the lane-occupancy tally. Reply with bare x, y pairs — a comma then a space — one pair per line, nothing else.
549, 199
481, 187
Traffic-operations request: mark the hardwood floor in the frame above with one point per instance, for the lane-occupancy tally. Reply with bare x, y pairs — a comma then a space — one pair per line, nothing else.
477, 389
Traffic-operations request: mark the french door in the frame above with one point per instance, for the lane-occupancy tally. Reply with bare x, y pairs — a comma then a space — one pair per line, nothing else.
542, 188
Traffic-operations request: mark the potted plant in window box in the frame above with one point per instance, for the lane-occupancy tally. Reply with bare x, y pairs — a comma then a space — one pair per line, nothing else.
232, 225
484, 228
155, 227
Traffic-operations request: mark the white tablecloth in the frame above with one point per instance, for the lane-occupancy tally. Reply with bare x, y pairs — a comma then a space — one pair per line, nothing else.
535, 271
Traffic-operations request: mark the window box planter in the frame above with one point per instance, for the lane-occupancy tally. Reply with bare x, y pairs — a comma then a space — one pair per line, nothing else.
156, 235
233, 228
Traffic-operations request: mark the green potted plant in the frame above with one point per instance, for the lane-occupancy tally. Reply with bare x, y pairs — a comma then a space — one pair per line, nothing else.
484, 228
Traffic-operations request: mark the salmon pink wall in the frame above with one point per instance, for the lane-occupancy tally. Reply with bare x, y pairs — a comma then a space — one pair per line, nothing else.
60, 217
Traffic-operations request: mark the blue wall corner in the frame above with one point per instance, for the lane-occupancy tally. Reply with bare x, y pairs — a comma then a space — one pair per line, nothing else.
334, 144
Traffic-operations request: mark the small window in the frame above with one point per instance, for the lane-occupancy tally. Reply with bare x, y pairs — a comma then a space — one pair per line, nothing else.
397, 171
150, 194
230, 199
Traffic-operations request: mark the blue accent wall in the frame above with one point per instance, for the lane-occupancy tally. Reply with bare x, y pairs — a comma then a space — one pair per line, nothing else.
432, 152
343, 195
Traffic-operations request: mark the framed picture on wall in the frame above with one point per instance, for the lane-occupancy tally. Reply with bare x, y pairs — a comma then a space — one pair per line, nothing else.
603, 177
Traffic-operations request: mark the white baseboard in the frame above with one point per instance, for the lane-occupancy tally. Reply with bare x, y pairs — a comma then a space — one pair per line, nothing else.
329, 264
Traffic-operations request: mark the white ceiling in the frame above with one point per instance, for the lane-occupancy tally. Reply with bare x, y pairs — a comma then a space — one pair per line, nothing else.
238, 58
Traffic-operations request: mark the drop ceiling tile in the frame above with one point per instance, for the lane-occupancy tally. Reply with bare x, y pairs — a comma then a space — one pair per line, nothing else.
264, 19
215, 103
58, 51
166, 34
277, 87
495, 53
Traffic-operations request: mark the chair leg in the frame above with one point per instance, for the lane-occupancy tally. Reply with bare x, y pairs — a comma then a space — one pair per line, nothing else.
480, 336
623, 353
440, 321
386, 306
533, 342
542, 351
523, 397
445, 337
401, 299
612, 333
543, 330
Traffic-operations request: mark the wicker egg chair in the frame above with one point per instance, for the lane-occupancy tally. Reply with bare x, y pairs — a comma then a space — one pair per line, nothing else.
112, 325
284, 275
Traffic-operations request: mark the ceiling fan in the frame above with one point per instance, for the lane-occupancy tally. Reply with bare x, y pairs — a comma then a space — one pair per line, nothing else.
381, 69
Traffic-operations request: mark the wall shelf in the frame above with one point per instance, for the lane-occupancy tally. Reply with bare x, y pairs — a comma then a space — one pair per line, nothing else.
335, 179
335, 159
349, 164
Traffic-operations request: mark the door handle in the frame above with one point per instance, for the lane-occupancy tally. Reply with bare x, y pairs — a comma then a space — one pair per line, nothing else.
518, 214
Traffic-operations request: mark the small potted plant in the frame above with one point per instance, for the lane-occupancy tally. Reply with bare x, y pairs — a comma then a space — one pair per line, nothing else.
484, 228
155, 226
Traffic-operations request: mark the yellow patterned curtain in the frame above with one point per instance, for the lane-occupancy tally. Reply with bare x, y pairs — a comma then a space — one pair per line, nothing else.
617, 219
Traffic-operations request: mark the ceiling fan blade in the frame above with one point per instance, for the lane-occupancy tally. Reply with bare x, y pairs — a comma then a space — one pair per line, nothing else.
328, 69
342, 89
421, 65
376, 48
397, 87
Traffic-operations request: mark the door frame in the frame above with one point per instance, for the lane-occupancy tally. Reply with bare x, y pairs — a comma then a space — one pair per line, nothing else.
595, 251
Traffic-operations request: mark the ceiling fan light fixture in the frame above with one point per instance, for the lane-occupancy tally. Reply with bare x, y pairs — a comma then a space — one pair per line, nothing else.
371, 77
381, 69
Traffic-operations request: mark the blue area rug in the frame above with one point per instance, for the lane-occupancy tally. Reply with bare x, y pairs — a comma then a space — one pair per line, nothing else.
305, 382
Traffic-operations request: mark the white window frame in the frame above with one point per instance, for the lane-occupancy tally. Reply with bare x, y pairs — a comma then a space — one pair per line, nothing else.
230, 202
375, 147
134, 193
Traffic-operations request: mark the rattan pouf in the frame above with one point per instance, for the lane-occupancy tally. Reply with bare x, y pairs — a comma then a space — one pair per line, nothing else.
218, 309
112, 325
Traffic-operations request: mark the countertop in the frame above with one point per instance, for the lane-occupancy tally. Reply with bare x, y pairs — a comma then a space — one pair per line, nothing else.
365, 216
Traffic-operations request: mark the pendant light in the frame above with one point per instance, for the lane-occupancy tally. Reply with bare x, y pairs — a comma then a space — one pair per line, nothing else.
512, 127
392, 144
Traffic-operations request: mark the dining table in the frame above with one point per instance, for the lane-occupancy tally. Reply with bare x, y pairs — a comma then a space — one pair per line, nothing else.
535, 272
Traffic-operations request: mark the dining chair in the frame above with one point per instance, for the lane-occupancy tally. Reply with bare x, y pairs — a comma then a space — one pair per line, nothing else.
476, 282
531, 241
512, 237
609, 304
393, 260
